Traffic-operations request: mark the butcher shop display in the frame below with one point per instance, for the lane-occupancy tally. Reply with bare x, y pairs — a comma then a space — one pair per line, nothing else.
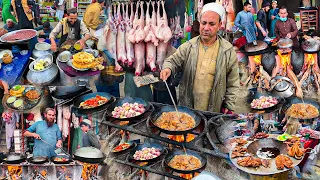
264, 102
18, 35
137, 37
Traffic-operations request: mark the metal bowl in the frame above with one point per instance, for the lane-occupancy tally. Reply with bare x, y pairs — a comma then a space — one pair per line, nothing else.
64, 56
47, 57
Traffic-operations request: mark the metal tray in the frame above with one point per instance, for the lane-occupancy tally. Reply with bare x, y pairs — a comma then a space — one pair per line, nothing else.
18, 40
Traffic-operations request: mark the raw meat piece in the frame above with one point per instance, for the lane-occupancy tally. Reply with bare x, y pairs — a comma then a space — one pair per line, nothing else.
163, 32
66, 120
132, 33
161, 53
129, 45
139, 51
151, 24
59, 117
178, 32
139, 33
121, 46
187, 27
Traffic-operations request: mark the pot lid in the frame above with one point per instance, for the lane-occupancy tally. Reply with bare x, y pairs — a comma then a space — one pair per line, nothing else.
261, 45
310, 45
282, 86
38, 53
89, 152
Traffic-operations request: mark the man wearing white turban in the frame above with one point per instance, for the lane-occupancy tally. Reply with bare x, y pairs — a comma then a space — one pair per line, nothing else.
209, 66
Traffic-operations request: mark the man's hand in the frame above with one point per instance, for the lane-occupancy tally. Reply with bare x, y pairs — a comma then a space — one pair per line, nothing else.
264, 33
29, 11
164, 74
81, 41
41, 33
256, 33
17, 125
288, 36
36, 136
53, 47
13, 14
59, 144
272, 17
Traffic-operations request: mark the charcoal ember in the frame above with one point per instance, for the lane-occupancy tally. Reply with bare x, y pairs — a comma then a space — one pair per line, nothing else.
297, 61
268, 62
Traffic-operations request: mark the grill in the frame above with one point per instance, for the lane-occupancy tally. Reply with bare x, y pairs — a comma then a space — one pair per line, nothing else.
198, 140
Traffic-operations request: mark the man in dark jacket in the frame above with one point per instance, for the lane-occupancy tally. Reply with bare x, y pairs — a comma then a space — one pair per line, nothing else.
89, 138
71, 28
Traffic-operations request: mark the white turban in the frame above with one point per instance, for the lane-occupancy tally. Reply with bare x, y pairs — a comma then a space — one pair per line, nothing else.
215, 7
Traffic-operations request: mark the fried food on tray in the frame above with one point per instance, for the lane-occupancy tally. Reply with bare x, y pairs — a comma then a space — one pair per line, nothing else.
93, 102
283, 161
303, 111
185, 162
261, 135
32, 94
295, 150
265, 163
84, 60
238, 151
174, 121
241, 141
17, 90
249, 162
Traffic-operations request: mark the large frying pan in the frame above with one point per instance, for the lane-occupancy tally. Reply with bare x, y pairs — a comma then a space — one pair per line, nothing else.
310, 46
263, 51
38, 160
296, 100
89, 155
14, 158
254, 94
173, 153
69, 159
158, 112
77, 101
67, 92
121, 101
146, 145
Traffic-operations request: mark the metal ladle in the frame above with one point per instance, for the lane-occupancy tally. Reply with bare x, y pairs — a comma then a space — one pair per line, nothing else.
54, 147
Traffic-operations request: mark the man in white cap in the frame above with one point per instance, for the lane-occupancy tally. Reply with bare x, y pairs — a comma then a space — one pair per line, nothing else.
89, 138
209, 65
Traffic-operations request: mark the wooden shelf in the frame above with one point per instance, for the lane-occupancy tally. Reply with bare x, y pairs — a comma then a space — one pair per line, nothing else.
306, 23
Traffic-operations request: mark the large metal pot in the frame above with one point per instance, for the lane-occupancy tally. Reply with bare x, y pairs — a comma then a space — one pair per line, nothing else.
43, 77
285, 43
89, 155
310, 45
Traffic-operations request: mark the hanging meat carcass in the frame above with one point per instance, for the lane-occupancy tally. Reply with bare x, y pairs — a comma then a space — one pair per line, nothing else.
129, 26
110, 35
163, 33
121, 46
151, 40
200, 6
187, 28
139, 47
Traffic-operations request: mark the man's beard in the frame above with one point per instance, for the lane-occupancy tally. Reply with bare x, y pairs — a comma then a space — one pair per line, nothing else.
50, 123
71, 25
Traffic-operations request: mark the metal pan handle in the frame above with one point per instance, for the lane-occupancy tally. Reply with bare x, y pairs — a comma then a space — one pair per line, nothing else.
82, 82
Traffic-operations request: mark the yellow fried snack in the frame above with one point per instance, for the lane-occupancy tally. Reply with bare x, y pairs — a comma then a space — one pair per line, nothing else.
83, 58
